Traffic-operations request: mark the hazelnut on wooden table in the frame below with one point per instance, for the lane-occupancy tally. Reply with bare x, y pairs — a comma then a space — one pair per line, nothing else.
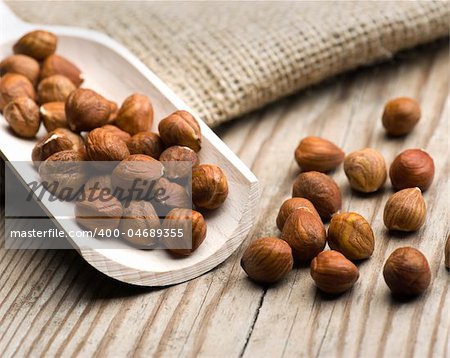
53, 115
38, 44
178, 153
318, 154
13, 85
22, 65
148, 143
400, 116
59, 65
135, 115
22, 115
55, 88
181, 128
289, 206
209, 186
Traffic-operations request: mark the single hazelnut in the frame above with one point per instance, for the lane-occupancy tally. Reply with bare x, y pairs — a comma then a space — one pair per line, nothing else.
407, 272
351, 235
101, 181
181, 128
22, 65
209, 186
400, 116
102, 145
321, 190
289, 206
135, 115
178, 161
53, 115
38, 44
366, 170
333, 273
14, 86
117, 132
318, 154
267, 260
447, 253
405, 210
305, 234
22, 115
412, 168
55, 88
58, 65
148, 143
172, 195
86, 110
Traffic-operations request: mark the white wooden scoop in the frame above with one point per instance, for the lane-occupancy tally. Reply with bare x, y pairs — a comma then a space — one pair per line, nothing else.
113, 71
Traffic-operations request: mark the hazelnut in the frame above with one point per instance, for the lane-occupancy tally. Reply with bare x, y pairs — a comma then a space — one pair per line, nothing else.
181, 128
185, 219
407, 272
289, 206
139, 217
98, 210
400, 116
172, 195
86, 110
412, 168
178, 161
58, 65
55, 88
117, 132
14, 86
22, 65
351, 235
366, 170
102, 145
305, 234
38, 44
447, 253
318, 154
146, 143
113, 115
22, 115
102, 181
135, 115
209, 186
267, 260
320, 190
333, 273
53, 115
405, 210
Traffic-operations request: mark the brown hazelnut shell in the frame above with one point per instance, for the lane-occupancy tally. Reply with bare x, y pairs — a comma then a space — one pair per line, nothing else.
147, 143
209, 186
289, 206
22, 65
59, 65
38, 44
135, 115
13, 85
181, 128
22, 115
318, 154
55, 88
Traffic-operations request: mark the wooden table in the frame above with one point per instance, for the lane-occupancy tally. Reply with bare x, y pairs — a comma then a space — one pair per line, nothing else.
53, 303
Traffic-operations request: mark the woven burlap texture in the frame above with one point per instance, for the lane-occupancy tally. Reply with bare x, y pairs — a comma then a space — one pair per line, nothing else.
225, 59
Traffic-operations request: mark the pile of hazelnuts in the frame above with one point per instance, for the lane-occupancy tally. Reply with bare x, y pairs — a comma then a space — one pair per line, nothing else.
316, 199
38, 85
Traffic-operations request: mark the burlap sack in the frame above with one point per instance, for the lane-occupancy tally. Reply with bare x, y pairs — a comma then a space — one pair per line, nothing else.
225, 59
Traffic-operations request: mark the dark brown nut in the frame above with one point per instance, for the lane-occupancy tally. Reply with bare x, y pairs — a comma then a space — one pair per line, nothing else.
172, 195
102, 145
14, 86
181, 128
55, 88
98, 210
86, 110
22, 115
321, 190
139, 218
209, 186
117, 132
305, 234
351, 235
58, 65
103, 181
38, 44
407, 272
333, 273
447, 253
183, 219
135, 115
400, 116
22, 65
412, 168
318, 154
172, 155
267, 260
53, 115
289, 206
147, 143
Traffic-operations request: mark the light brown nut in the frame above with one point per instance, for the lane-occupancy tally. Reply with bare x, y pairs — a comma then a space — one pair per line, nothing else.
22, 65
318, 154
400, 116
117, 132
181, 128
209, 186
113, 115
351, 235
289, 206
178, 161
172, 195
59, 65
267, 260
147, 143
13, 85
22, 115
305, 234
407, 272
102, 145
333, 273
55, 88
405, 210
135, 115
319, 189
53, 116
38, 44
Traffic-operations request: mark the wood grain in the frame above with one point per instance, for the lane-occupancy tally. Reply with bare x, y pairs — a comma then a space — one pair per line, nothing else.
53, 303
